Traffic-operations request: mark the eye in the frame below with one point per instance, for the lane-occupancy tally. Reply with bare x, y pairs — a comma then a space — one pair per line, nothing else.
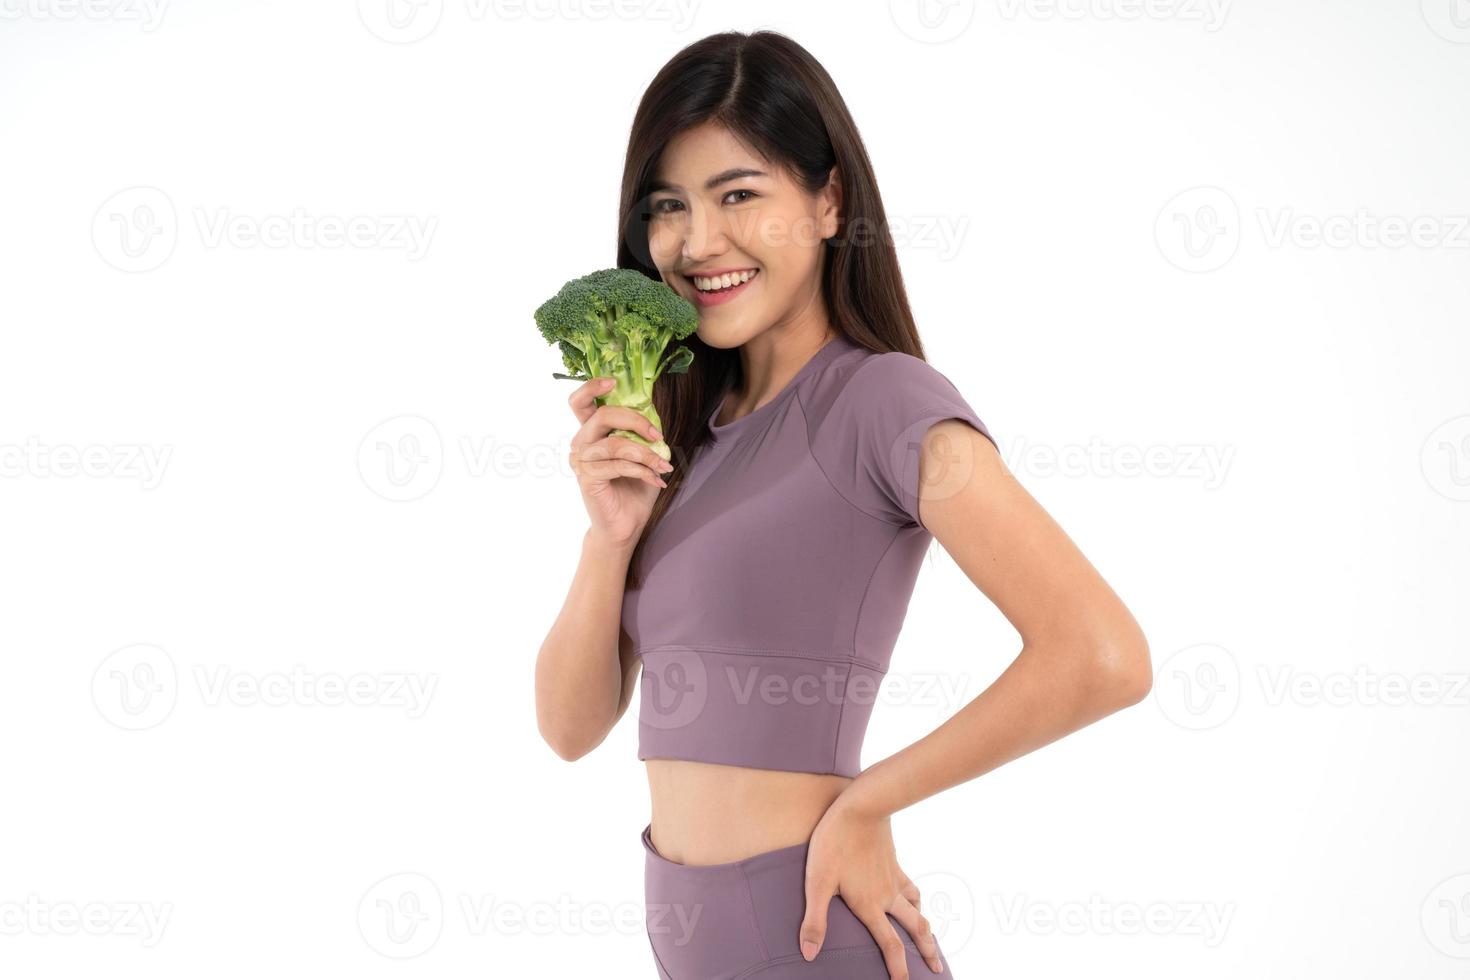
669, 205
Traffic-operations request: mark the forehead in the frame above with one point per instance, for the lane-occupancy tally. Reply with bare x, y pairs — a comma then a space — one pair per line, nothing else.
702, 152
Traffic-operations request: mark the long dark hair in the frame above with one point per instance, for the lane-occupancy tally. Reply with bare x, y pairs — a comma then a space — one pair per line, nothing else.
774, 96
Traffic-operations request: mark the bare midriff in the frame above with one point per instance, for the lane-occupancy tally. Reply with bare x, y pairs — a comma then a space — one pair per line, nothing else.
704, 813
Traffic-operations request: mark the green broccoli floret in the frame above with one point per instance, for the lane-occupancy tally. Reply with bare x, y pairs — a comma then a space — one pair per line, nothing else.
616, 323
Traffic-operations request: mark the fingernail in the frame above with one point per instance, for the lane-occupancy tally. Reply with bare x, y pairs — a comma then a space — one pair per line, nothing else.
662, 483
808, 950
656, 434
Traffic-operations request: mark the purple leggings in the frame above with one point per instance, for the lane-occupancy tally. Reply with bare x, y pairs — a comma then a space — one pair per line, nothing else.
742, 919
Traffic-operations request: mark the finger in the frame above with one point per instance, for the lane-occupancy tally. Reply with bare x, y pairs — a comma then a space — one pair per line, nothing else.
609, 418
918, 929
621, 447
610, 469
607, 460
814, 923
583, 398
887, 939
909, 890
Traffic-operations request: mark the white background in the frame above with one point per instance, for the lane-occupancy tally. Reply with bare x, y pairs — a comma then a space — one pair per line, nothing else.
358, 474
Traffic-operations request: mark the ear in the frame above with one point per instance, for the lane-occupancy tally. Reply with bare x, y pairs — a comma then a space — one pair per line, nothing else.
831, 203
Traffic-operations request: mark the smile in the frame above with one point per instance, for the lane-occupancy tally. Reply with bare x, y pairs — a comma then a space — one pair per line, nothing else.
721, 293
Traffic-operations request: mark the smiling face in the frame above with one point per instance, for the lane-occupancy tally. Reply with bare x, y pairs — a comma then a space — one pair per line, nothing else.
720, 213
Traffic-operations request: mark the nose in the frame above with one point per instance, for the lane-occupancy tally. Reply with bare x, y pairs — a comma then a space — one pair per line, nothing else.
702, 234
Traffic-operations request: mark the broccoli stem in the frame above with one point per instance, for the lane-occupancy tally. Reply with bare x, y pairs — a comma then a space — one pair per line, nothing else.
632, 388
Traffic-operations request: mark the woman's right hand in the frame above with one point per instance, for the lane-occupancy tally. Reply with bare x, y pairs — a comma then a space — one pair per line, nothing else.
620, 479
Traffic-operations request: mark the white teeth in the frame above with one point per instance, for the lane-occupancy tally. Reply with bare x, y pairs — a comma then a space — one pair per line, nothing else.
705, 283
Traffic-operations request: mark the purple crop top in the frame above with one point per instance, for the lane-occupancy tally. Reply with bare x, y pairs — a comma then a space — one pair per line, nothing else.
775, 584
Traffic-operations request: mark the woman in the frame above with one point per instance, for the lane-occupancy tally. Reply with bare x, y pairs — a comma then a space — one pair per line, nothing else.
760, 582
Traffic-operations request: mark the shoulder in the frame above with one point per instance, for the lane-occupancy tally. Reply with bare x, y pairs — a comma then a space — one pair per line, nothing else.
870, 391
868, 422
855, 385
901, 375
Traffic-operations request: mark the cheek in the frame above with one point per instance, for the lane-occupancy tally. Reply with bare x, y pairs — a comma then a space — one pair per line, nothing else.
663, 241
780, 236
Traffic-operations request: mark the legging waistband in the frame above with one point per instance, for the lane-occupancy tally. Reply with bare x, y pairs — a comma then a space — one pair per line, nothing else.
741, 920
791, 854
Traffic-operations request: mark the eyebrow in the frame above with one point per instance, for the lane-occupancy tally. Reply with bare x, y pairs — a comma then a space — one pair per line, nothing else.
735, 173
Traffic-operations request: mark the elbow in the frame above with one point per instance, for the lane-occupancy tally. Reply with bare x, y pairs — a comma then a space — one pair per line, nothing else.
1124, 669
563, 744
562, 740
565, 748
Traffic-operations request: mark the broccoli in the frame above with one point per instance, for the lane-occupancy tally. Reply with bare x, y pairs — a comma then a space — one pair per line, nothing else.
616, 323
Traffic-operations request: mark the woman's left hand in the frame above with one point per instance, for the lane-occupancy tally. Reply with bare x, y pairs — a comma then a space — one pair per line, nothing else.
851, 854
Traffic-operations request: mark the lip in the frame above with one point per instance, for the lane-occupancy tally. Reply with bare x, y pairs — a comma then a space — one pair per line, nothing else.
717, 299
720, 272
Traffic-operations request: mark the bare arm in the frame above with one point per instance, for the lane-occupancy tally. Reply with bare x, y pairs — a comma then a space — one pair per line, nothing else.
586, 671
1083, 655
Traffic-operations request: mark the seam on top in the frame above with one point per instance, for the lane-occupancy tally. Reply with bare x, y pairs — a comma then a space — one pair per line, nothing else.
863, 599
928, 419
934, 412
838, 658
856, 622
837, 729
806, 428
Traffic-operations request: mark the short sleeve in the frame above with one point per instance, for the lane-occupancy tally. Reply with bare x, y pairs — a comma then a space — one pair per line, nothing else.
871, 440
